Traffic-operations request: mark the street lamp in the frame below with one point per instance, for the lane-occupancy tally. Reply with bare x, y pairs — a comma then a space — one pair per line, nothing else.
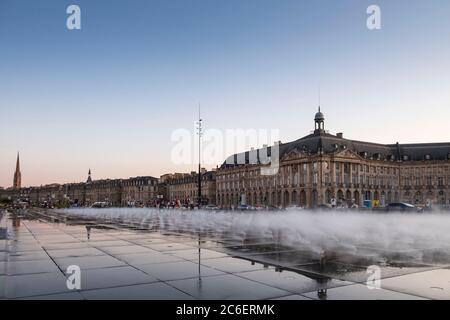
199, 133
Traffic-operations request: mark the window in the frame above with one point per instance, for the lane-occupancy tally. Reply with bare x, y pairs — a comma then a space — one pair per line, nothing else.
346, 167
407, 181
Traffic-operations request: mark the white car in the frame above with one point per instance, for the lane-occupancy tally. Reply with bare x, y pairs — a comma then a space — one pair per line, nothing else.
211, 207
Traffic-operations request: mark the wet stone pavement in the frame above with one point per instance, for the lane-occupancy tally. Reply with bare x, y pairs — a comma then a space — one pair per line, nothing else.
122, 261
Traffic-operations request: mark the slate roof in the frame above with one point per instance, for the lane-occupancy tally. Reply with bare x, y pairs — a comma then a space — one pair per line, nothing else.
328, 144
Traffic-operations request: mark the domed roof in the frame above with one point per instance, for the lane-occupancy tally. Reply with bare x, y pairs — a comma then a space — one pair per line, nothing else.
319, 116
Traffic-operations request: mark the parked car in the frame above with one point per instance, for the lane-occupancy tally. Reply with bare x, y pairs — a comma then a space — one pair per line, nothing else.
244, 207
211, 207
401, 207
100, 205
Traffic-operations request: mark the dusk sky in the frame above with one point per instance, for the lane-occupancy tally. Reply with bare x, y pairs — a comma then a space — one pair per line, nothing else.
109, 96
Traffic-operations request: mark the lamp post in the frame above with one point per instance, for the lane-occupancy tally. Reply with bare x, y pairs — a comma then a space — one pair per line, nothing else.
199, 133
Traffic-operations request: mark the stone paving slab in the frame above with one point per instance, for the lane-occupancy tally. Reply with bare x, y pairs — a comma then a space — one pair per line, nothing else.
291, 281
34, 285
178, 270
152, 291
434, 284
361, 292
227, 287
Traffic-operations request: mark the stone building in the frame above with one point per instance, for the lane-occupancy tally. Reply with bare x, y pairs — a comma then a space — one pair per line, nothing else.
141, 191
320, 167
163, 187
115, 192
50, 194
76, 193
107, 190
183, 187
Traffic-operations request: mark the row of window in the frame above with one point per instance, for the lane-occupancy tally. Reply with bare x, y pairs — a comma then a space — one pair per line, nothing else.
278, 180
339, 167
428, 181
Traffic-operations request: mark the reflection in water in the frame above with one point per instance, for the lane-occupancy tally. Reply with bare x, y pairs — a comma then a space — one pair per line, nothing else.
16, 221
322, 288
88, 230
199, 265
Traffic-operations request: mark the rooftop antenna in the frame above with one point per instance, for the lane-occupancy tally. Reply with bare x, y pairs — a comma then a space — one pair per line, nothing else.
319, 98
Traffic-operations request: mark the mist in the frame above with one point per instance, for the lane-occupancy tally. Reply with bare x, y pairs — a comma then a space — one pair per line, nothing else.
407, 237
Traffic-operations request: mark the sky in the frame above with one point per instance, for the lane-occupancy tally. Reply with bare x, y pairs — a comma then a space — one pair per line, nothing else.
110, 96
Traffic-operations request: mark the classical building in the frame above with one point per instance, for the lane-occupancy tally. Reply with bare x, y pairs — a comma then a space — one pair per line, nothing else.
76, 193
106, 190
139, 191
320, 167
17, 181
183, 187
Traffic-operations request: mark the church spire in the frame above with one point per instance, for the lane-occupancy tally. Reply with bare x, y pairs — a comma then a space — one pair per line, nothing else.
17, 183
89, 179
18, 162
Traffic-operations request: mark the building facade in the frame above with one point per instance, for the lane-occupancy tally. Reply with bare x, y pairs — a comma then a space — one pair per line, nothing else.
107, 190
183, 187
141, 191
321, 167
138, 191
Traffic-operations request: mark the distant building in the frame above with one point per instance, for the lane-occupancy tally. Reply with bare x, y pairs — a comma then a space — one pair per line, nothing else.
139, 191
183, 187
320, 167
106, 190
